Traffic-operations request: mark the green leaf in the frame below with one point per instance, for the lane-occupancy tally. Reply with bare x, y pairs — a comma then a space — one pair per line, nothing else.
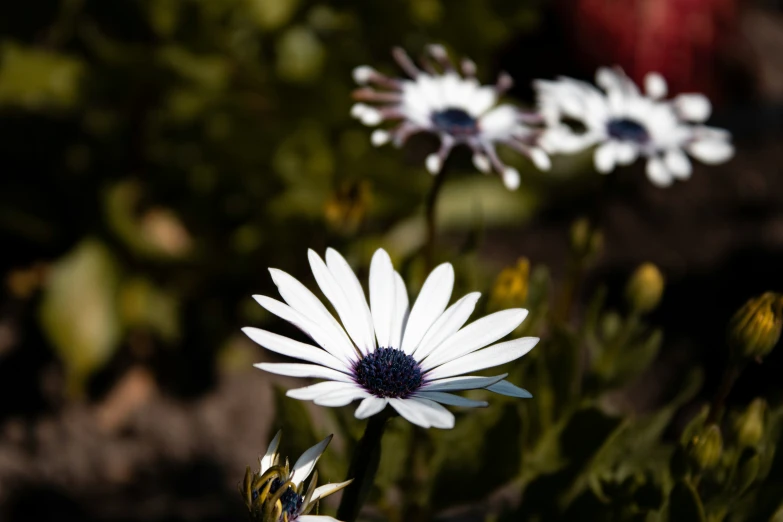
79, 311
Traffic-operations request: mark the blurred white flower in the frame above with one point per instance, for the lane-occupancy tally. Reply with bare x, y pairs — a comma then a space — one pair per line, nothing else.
626, 124
453, 106
420, 355
277, 494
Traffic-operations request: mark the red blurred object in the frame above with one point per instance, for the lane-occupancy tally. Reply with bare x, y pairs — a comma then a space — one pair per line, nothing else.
682, 39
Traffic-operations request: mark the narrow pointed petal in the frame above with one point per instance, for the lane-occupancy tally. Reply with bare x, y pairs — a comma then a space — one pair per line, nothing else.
370, 406
312, 392
447, 324
304, 370
382, 296
476, 335
306, 463
334, 345
429, 305
506, 388
348, 281
328, 489
486, 358
469, 382
400, 311
267, 461
451, 399
360, 331
295, 349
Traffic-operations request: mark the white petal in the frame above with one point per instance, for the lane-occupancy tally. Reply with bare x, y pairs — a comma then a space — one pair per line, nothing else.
342, 397
370, 117
678, 164
476, 335
268, 460
325, 338
540, 159
511, 178
304, 466
625, 153
423, 412
481, 101
400, 311
380, 137
370, 406
326, 490
304, 370
605, 157
451, 399
655, 86
433, 163
309, 393
693, 107
481, 162
356, 323
431, 302
348, 281
362, 74
506, 388
469, 382
658, 173
711, 151
382, 296
499, 123
487, 358
447, 324
316, 518
295, 349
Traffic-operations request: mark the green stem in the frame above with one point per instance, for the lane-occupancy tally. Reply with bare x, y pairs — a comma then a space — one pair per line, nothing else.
719, 401
363, 467
432, 200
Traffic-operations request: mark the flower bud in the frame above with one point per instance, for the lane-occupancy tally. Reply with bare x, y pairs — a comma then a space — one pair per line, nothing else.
645, 288
511, 286
749, 426
755, 328
705, 448
586, 241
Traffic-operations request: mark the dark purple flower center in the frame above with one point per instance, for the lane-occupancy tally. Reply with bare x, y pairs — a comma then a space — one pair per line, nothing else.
388, 372
456, 122
624, 129
290, 499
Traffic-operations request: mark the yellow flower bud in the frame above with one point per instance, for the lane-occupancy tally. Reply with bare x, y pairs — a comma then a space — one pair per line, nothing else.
645, 288
749, 426
347, 206
705, 448
511, 286
755, 329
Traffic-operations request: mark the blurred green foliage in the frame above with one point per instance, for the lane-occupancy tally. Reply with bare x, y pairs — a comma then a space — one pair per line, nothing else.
162, 153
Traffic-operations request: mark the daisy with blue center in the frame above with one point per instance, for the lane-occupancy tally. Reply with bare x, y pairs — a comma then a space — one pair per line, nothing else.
385, 353
452, 105
626, 124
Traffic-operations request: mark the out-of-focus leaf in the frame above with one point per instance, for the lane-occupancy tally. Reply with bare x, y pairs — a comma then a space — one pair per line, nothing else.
209, 72
144, 305
463, 198
37, 79
164, 15
79, 310
300, 55
272, 14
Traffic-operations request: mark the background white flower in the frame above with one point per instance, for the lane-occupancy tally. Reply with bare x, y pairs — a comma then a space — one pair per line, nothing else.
383, 353
454, 106
626, 123
278, 494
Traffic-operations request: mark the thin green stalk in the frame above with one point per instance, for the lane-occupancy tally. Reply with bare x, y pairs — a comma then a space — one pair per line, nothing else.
430, 211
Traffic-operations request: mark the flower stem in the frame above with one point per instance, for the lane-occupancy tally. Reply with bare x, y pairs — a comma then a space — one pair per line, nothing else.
432, 199
363, 467
718, 404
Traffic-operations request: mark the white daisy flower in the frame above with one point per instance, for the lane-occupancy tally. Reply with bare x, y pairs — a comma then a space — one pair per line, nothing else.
626, 124
277, 494
383, 353
454, 106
